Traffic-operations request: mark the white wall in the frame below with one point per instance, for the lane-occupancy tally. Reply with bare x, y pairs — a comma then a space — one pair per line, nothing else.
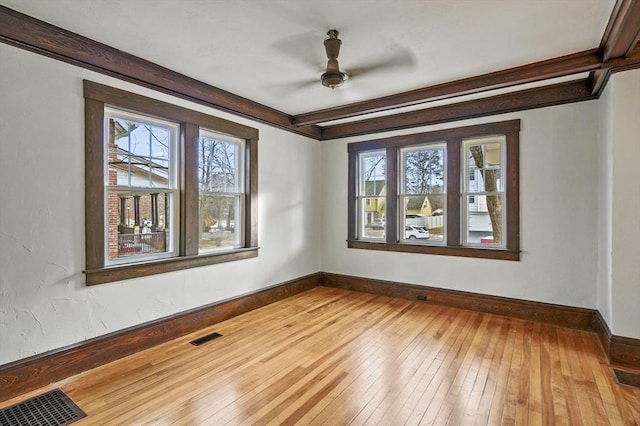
579, 216
625, 218
43, 301
559, 204
605, 192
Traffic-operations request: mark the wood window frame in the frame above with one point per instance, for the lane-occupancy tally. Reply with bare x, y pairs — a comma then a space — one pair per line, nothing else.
453, 139
97, 96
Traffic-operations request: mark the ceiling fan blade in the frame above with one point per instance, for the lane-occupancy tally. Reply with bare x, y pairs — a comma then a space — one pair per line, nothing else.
297, 48
400, 58
291, 88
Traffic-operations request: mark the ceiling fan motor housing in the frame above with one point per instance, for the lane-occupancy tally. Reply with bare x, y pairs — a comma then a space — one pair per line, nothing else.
333, 77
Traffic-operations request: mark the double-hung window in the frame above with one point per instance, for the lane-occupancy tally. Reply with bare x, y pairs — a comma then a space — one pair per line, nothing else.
451, 192
221, 181
167, 188
141, 187
371, 195
423, 193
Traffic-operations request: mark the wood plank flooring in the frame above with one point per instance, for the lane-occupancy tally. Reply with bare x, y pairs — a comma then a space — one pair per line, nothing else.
335, 357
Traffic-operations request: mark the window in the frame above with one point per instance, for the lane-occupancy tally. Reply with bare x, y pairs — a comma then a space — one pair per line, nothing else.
141, 187
221, 206
451, 192
423, 192
166, 188
483, 220
371, 199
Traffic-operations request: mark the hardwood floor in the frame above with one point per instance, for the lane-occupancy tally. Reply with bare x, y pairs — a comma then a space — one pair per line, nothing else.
331, 356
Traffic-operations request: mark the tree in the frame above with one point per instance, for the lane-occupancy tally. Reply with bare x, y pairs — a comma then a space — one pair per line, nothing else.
424, 172
494, 203
217, 174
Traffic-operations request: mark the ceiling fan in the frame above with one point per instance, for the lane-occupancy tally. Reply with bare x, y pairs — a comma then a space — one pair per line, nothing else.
333, 77
297, 47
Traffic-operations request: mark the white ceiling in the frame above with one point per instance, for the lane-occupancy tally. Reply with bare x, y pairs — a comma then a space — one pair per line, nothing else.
265, 50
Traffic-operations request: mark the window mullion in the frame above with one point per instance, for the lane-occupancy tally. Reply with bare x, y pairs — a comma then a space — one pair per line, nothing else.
391, 208
189, 206
512, 192
453, 212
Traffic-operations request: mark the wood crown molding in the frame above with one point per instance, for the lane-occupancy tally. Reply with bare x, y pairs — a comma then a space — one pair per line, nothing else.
40, 37
538, 97
619, 41
561, 66
31, 373
29, 33
623, 29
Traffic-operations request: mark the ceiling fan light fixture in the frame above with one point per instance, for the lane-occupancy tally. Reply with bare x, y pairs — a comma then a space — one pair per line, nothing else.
332, 79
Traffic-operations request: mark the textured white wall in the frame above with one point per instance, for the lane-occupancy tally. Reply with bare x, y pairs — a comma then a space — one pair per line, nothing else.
43, 301
625, 282
605, 206
579, 225
558, 185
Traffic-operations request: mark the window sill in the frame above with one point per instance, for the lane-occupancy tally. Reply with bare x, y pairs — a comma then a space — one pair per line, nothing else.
488, 253
134, 270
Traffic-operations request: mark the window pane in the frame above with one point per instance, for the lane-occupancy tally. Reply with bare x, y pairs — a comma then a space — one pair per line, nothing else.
220, 172
139, 153
372, 217
138, 224
220, 220
484, 180
484, 165
424, 171
218, 166
484, 220
424, 213
372, 174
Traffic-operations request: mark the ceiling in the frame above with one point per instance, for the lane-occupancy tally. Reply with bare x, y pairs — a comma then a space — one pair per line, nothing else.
270, 51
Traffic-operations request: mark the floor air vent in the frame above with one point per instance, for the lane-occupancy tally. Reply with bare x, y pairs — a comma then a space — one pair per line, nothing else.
627, 378
205, 339
53, 408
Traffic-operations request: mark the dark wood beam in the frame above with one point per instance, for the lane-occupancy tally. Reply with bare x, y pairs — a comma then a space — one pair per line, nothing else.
587, 60
556, 94
599, 80
622, 32
26, 32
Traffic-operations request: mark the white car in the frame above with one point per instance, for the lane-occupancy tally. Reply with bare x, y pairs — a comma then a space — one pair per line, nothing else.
415, 232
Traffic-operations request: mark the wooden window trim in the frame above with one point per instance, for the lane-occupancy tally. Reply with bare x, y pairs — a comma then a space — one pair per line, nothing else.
453, 139
98, 96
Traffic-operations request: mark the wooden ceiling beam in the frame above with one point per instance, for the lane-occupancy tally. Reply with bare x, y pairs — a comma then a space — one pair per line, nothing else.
539, 97
619, 42
561, 66
28, 33
622, 32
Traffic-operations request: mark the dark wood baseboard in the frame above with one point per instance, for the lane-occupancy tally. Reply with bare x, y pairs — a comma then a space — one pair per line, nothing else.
27, 374
623, 351
603, 332
31, 373
566, 316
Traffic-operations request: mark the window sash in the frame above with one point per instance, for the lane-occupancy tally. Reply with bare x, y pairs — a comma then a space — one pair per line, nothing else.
468, 171
404, 195
367, 209
455, 181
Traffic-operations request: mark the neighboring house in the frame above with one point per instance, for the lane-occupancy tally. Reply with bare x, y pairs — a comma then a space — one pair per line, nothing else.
141, 214
374, 207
